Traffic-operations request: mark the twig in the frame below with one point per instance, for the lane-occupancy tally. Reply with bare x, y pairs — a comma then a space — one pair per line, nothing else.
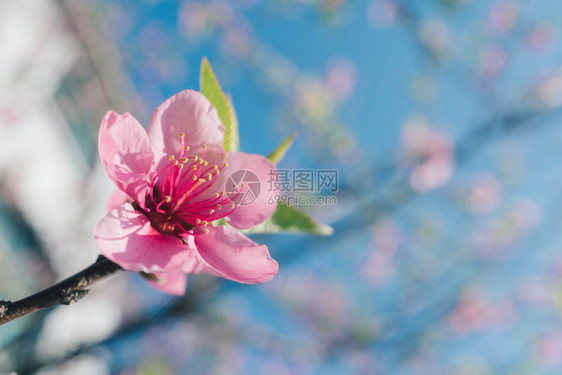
65, 292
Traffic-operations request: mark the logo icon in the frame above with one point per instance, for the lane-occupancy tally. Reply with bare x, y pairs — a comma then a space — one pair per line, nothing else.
244, 187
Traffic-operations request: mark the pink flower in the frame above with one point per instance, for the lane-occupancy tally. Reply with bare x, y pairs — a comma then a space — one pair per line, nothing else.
172, 181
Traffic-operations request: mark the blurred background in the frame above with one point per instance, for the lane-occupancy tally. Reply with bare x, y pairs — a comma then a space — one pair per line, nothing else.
442, 118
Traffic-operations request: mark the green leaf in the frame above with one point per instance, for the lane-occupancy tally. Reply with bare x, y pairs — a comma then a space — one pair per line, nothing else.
211, 88
277, 155
288, 219
232, 140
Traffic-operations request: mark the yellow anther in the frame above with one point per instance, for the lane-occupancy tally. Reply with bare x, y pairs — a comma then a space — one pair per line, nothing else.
195, 158
175, 162
204, 222
228, 194
194, 167
237, 204
184, 159
186, 148
204, 146
211, 212
201, 180
201, 161
209, 176
195, 178
232, 205
206, 231
219, 206
180, 165
197, 221
225, 165
168, 199
217, 195
206, 163
243, 185
171, 157
182, 134
216, 166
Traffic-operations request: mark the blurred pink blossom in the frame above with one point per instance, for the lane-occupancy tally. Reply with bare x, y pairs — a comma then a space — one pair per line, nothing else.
549, 349
542, 36
387, 236
503, 16
475, 312
491, 61
435, 35
484, 193
382, 13
431, 153
341, 78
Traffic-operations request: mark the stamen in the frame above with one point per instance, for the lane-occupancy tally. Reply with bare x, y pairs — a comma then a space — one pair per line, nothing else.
168, 199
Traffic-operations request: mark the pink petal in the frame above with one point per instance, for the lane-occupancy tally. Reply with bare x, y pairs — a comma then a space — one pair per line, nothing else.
170, 282
116, 199
230, 254
188, 112
126, 153
258, 200
125, 237
175, 282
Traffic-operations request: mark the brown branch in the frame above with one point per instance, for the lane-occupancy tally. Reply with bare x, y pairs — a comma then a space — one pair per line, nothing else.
65, 292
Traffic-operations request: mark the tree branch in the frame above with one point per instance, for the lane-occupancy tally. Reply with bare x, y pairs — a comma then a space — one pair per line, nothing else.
65, 292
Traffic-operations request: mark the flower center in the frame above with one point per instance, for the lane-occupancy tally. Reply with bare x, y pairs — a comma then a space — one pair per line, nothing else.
184, 193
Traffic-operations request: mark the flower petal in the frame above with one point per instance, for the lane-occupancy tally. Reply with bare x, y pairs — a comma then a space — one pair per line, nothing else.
230, 254
257, 200
125, 237
188, 112
116, 199
175, 282
169, 282
126, 153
